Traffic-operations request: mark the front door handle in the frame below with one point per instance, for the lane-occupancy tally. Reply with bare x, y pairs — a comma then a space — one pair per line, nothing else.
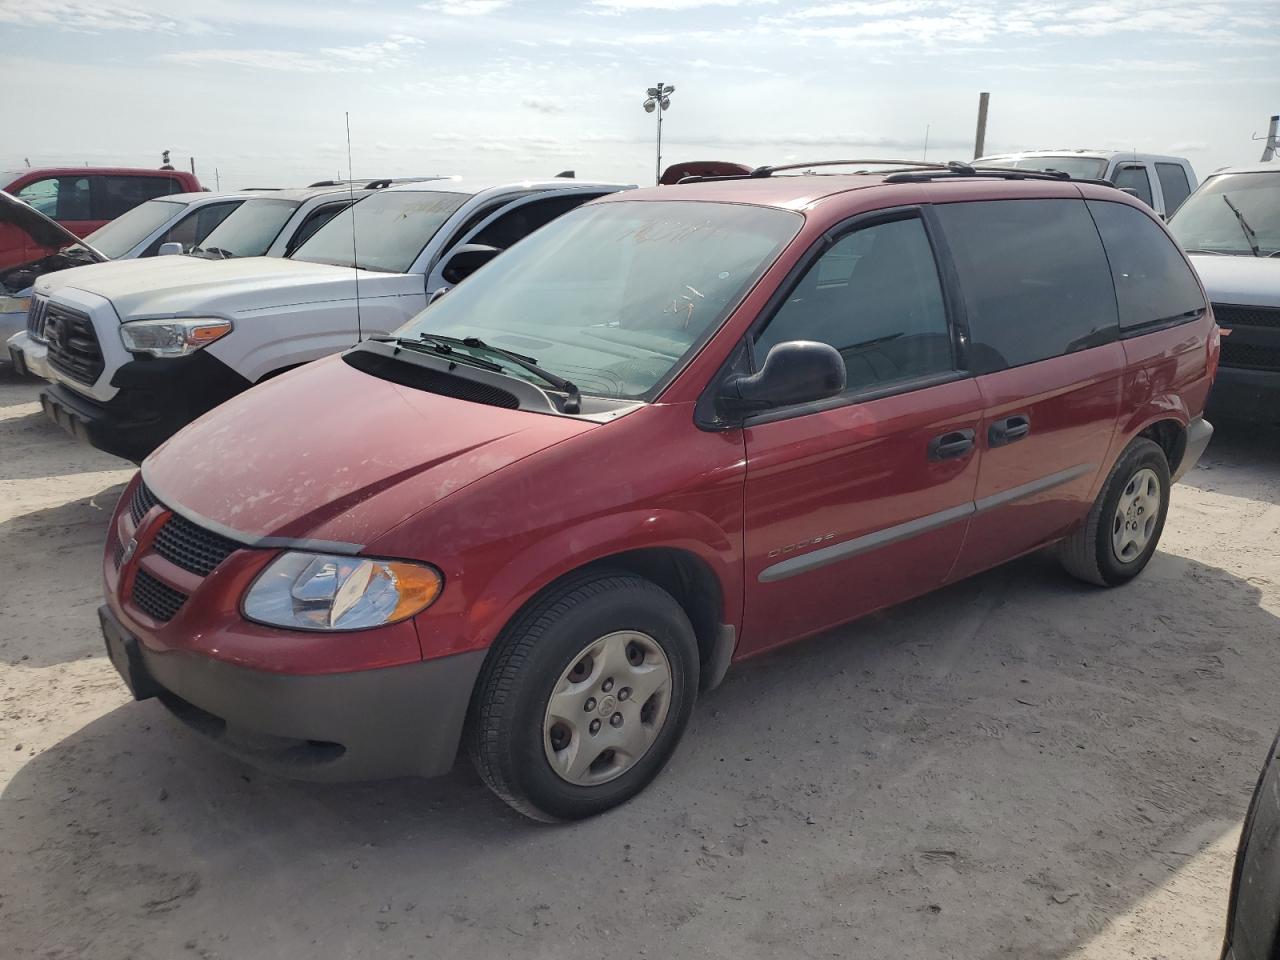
1008, 430
948, 446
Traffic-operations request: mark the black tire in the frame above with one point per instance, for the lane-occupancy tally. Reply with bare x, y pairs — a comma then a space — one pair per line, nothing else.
505, 728
1088, 554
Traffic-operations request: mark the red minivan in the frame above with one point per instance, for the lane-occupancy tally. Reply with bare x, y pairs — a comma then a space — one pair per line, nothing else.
672, 430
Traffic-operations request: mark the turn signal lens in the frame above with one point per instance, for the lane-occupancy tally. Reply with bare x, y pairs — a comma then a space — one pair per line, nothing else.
310, 591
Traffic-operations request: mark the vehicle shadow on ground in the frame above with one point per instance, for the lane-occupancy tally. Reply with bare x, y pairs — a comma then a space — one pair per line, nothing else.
53, 564
1242, 460
34, 446
1006, 764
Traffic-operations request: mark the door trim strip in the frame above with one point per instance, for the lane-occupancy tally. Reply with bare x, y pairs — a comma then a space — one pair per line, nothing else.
793, 566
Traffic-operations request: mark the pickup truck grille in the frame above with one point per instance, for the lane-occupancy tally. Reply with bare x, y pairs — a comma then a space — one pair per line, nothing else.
1249, 356
73, 344
1230, 316
35, 318
184, 544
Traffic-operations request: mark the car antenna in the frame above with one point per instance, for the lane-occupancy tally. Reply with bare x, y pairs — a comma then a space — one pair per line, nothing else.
355, 262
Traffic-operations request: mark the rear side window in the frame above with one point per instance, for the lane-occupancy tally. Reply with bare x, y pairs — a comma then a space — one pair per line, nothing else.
875, 297
122, 194
1134, 177
59, 198
516, 224
1154, 285
1034, 277
1173, 184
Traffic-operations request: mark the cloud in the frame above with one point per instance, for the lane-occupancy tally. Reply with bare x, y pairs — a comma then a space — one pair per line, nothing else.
363, 58
93, 18
630, 6
465, 8
544, 104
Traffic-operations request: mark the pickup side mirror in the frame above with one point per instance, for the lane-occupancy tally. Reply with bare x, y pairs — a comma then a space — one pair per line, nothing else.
466, 260
170, 249
797, 371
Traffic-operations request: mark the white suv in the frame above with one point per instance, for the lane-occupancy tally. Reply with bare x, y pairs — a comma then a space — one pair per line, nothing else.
136, 351
1161, 182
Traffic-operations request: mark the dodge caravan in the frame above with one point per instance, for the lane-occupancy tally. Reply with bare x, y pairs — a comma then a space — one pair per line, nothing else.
672, 430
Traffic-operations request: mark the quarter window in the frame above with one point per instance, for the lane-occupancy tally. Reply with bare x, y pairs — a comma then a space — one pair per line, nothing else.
122, 194
1154, 285
1035, 279
874, 296
1173, 184
1134, 177
194, 227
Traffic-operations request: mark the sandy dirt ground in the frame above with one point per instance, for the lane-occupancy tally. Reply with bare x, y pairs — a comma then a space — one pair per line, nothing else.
1017, 766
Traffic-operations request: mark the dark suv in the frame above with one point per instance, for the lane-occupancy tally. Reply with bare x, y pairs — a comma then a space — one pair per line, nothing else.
671, 430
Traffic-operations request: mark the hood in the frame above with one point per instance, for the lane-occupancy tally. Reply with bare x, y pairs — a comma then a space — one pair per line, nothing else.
328, 453
1249, 281
178, 285
32, 245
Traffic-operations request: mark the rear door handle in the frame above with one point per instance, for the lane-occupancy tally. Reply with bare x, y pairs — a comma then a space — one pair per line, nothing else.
1008, 430
948, 446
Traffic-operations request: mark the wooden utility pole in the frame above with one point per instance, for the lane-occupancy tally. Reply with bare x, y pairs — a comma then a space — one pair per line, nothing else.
980, 139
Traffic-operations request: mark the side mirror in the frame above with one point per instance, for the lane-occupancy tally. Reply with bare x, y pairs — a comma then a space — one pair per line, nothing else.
437, 294
798, 371
170, 249
466, 260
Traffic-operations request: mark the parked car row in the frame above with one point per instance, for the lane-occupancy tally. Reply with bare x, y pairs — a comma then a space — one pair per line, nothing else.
671, 429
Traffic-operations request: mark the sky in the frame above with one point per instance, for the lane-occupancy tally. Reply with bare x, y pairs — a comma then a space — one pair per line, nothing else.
256, 90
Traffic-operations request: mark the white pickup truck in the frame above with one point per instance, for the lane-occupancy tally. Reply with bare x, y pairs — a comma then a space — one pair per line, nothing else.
137, 351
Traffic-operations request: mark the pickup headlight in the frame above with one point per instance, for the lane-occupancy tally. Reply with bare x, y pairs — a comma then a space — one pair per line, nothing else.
172, 338
15, 304
310, 591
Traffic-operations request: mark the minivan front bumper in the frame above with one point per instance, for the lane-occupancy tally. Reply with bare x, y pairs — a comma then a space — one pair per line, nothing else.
364, 725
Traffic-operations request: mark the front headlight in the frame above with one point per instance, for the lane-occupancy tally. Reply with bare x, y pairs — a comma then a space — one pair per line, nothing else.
309, 591
172, 338
15, 304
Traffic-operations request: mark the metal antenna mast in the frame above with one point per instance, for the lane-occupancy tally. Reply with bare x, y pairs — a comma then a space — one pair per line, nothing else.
355, 261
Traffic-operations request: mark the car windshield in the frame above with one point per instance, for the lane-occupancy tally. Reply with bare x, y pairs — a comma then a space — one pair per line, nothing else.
1232, 213
391, 229
126, 231
1082, 168
615, 296
248, 230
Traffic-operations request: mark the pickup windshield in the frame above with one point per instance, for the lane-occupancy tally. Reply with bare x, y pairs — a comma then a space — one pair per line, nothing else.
1237, 214
1081, 168
391, 229
248, 231
615, 296
126, 231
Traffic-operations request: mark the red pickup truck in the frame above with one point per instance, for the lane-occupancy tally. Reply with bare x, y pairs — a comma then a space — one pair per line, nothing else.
84, 198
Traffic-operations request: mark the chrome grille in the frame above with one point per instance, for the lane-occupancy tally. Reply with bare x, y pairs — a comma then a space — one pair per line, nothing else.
35, 318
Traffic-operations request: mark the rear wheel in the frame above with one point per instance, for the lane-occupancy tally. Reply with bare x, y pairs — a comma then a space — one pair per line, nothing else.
1124, 525
585, 698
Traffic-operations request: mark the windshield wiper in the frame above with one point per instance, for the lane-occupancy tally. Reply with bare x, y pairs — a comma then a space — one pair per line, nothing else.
1249, 233
453, 356
573, 400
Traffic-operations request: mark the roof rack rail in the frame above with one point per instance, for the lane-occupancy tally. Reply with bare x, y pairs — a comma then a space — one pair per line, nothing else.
768, 171
957, 169
915, 171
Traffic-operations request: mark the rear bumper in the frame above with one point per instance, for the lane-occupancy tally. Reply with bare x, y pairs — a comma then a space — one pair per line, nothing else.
1199, 433
1240, 394
367, 725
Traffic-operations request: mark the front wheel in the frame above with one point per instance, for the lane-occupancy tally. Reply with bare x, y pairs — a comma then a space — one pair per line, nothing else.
1124, 525
585, 697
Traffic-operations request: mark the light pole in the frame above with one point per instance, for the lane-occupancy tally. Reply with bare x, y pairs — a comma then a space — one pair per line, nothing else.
659, 98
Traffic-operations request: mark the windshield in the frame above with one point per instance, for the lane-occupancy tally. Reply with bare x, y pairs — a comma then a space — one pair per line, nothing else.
391, 229
126, 231
248, 230
1233, 213
615, 296
1081, 168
